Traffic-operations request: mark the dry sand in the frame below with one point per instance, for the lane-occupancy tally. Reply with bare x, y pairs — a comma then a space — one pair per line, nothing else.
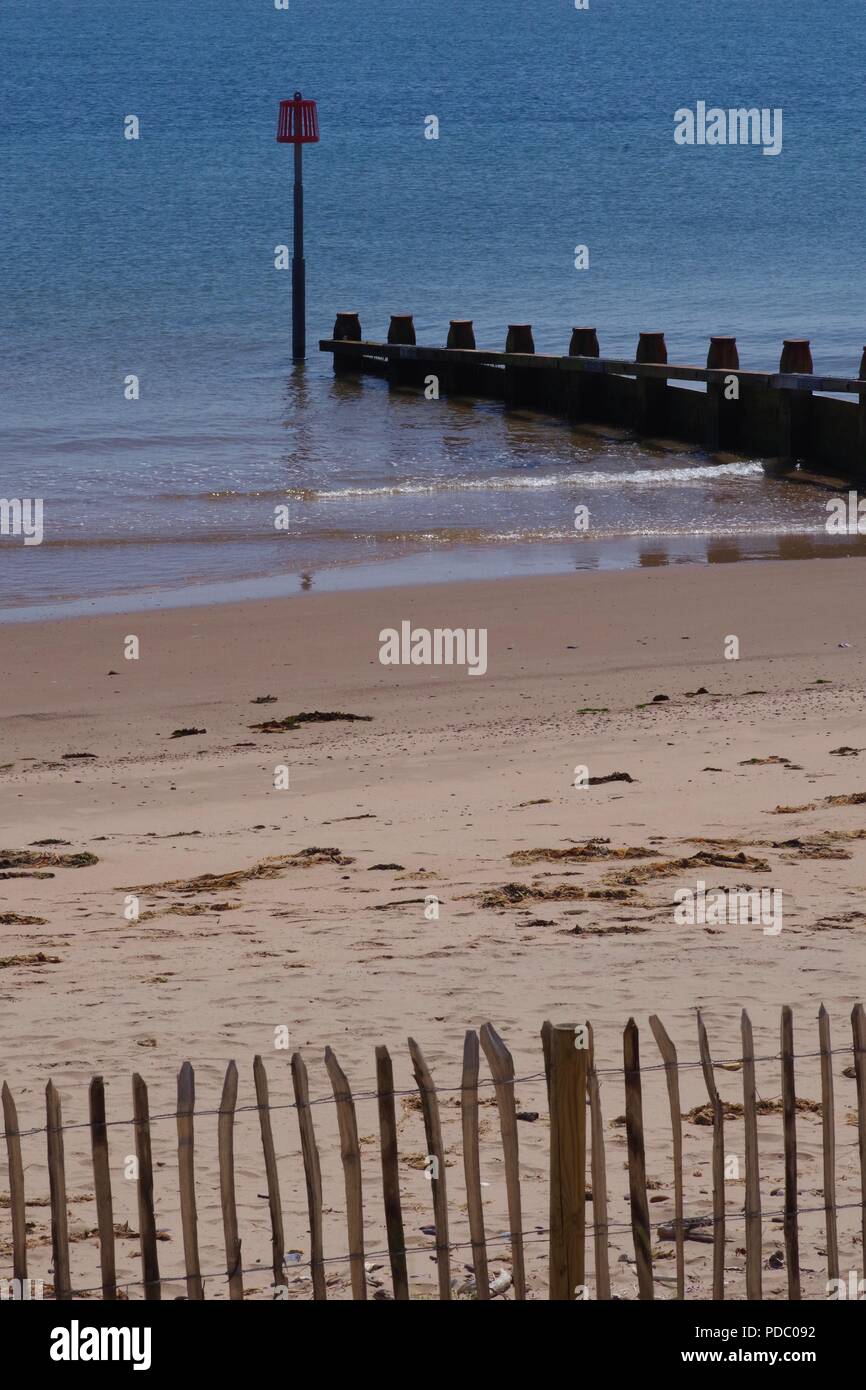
452, 776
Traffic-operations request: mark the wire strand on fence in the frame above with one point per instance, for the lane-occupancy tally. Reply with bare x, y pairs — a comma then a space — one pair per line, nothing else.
439, 1090
533, 1236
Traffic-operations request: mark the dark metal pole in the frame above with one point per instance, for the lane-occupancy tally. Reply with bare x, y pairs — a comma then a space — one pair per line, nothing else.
298, 275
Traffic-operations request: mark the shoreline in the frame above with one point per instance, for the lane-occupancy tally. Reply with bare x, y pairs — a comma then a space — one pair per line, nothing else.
445, 590
465, 566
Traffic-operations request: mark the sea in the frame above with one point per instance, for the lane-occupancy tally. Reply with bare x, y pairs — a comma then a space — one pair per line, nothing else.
155, 258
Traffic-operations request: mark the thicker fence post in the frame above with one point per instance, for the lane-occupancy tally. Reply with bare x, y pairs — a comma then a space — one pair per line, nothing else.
640, 1222
567, 1162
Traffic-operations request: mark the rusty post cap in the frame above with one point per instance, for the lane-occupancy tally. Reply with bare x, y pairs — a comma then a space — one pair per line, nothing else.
347, 327
401, 329
519, 338
796, 356
461, 334
584, 343
298, 122
723, 353
651, 348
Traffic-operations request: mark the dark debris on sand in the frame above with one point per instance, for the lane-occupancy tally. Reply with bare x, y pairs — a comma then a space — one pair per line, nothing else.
316, 716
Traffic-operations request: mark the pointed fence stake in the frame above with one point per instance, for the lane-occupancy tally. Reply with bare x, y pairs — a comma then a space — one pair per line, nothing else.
858, 1029
312, 1174
789, 1122
278, 1242
186, 1179
226, 1145
102, 1188
57, 1187
599, 1180
350, 1153
501, 1066
435, 1150
828, 1128
753, 1171
391, 1174
718, 1162
472, 1163
146, 1218
672, 1076
16, 1186
640, 1222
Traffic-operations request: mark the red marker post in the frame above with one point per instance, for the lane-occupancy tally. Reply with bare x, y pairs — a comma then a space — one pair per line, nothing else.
298, 125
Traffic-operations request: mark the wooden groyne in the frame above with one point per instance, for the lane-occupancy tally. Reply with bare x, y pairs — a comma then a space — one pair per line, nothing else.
778, 416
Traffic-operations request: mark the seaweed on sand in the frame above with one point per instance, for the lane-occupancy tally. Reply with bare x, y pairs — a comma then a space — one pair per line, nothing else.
581, 854
27, 859
265, 868
316, 716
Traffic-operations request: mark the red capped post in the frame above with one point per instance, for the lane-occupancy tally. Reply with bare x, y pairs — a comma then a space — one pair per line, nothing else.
298, 125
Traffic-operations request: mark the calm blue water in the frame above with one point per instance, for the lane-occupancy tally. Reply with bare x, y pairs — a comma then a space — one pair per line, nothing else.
155, 257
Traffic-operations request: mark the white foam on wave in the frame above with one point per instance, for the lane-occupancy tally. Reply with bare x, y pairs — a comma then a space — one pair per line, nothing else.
644, 477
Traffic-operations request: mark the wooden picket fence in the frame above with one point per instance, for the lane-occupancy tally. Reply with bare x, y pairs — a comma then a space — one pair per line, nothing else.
574, 1091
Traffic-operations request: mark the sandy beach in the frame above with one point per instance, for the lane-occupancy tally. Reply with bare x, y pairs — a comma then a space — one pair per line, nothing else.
313, 928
